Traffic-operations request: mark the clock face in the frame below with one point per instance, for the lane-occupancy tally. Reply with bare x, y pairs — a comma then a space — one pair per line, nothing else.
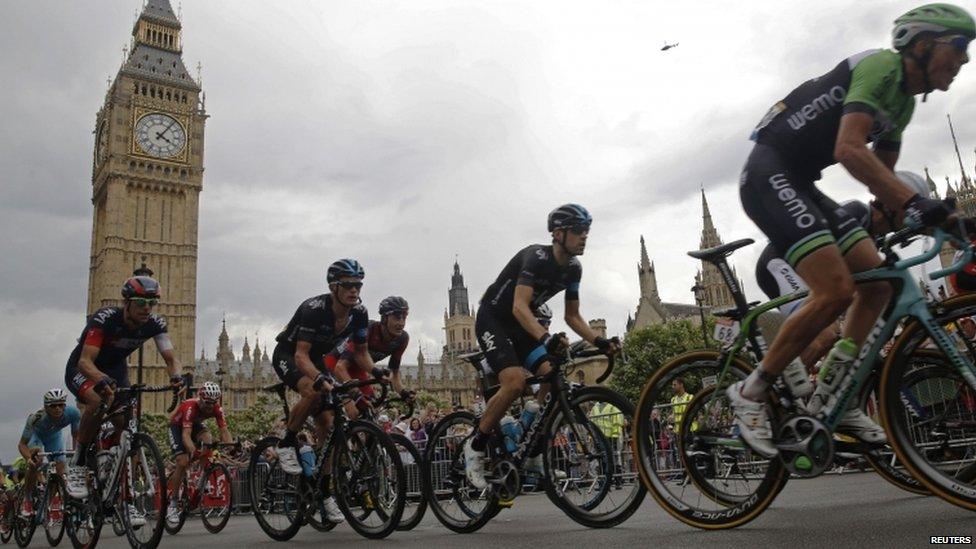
101, 143
160, 135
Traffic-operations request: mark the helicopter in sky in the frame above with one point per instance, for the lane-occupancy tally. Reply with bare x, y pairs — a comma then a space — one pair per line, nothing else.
669, 46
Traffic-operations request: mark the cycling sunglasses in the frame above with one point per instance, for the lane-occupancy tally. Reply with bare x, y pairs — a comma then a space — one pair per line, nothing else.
959, 42
348, 285
579, 229
56, 405
144, 301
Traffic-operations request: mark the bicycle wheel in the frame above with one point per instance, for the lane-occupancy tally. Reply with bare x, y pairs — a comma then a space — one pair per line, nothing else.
459, 506
143, 494
588, 461
929, 410
415, 504
6, 521
23, 526
276, 497
118, 527
183, 504
369, 480
665, 456
883, 460
54, 512
315, 514
216, 498
84, 518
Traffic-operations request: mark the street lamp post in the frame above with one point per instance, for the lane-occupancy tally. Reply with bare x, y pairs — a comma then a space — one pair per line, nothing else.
141, 271
699, 291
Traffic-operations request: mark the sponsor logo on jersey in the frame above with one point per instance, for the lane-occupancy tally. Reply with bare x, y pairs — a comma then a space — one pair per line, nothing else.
542, 254
103, 315
488, 341
794, 206
820, 104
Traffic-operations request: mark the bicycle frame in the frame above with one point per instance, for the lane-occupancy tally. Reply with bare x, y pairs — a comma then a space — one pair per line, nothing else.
908, 302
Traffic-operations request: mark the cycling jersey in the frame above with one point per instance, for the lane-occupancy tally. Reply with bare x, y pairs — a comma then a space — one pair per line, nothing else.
500, 335
314, 322
777, 278
533, 266
40, 424
378, 348
106, 330
189, 413
803, 126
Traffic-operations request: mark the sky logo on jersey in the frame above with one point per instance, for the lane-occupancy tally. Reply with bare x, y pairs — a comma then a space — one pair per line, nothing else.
820, 104
488, 341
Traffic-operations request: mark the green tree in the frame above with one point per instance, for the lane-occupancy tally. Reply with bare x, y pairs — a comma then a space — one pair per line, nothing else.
157, 427
424, 398
647, 349
252, 423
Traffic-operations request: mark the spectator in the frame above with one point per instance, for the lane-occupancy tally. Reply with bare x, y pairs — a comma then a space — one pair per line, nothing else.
385, 423
417, 434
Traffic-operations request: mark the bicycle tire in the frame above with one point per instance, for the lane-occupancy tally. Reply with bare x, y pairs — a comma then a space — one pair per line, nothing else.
446, 485
118, 528
183, 504
351, 480
152, 502
24, 527
54, 512
415, 504
593, 513
693, 367
292, 503
215, 523
84, 518
903, 413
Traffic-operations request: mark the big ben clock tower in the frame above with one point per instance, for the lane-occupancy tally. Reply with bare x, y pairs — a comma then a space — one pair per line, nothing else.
146, 180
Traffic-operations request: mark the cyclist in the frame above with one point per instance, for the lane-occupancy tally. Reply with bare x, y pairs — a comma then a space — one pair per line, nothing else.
509, 334
43, 431
317, 326
386, 338
867, 98
186, 429
776, 277
98, 363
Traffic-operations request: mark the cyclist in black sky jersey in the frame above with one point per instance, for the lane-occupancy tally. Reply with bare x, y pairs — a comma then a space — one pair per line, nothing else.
318, 324
509, 334
867, 98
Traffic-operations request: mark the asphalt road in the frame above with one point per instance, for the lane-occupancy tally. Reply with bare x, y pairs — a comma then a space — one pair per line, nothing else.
834, 511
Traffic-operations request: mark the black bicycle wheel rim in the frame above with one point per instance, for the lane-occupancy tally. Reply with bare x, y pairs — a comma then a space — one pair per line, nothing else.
274, 495
182, 504
363, 463
150, 499
415, 504
54, 514
23, 527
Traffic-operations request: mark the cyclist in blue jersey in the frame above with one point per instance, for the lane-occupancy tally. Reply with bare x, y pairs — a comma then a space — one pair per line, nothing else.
43, 432
866, 99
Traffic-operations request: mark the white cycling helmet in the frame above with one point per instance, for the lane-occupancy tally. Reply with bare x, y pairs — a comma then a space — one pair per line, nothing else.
543, 313
914, 182
210, 392
55, 396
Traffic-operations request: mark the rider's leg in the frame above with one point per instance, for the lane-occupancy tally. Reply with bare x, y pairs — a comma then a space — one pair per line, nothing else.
300, 411
831, 291
512, 381
871, 298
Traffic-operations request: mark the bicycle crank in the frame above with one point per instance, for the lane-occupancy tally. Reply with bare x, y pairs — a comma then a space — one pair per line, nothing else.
505, 478
805, 446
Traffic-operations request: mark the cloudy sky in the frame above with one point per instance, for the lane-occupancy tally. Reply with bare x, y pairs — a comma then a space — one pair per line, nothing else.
405, 134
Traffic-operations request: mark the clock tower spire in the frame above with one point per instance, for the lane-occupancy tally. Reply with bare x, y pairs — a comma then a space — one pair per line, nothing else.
147, 174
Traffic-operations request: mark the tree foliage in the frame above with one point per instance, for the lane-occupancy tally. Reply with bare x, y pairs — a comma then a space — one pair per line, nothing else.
424, 398
254, 422
647, 349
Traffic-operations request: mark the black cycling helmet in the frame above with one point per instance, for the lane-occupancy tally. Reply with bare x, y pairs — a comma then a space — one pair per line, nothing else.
393, 304
569, 215
141, 286
344, 267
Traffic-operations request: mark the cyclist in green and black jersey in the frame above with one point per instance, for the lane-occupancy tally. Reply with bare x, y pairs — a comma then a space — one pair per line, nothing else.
867, 98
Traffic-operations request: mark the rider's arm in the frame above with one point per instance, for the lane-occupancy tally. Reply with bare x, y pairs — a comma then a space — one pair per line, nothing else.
188, 439
360, 353
303, 361
576, 322
888, 158
165, 347
522, 310
852, 152
394, 363
24, 449
86, 363
225, 436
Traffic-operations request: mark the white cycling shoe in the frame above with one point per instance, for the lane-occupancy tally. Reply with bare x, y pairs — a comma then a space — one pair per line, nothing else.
288, 459
752, 418
474, 466
332, 511
858, 425
77, 484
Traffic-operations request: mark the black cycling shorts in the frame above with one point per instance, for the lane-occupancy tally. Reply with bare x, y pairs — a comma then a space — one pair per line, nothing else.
505, 343
791, 211
176, 446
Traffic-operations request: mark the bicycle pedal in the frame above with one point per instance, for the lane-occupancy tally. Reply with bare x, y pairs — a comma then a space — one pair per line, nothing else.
506, 503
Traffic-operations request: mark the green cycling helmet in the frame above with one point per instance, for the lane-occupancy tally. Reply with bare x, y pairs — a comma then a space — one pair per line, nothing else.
934, 19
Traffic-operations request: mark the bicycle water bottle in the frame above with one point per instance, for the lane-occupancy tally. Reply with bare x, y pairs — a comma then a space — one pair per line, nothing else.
796, 378
528, 414
832, 371
307, 458
512, 432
